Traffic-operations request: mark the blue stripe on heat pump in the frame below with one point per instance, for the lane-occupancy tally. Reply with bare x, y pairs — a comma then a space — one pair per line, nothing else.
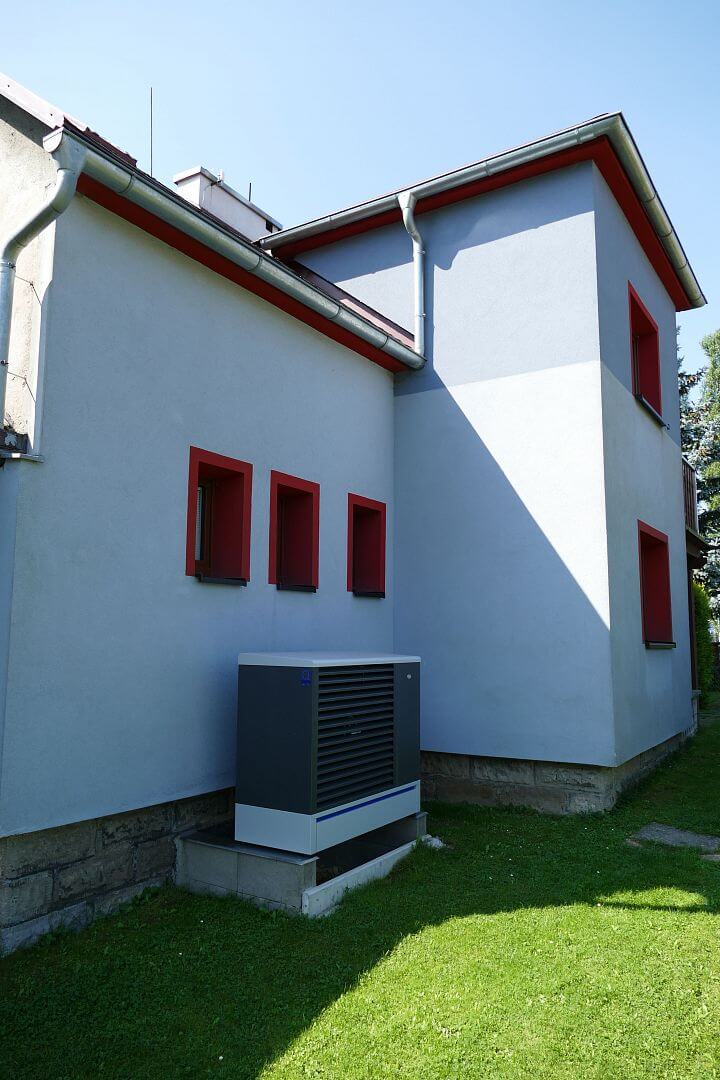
368, 802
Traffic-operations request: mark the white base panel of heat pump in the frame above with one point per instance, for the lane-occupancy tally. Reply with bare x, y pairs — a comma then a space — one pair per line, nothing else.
309, 833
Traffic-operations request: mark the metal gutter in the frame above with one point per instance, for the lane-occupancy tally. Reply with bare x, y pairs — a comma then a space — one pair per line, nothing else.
610, 125
69, 159
119, 176
407, 201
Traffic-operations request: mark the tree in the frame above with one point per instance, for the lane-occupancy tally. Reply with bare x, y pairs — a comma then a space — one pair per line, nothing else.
703, 643
700, 429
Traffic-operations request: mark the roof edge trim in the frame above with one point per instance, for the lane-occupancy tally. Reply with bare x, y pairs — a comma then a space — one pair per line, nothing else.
611, 126
124, 184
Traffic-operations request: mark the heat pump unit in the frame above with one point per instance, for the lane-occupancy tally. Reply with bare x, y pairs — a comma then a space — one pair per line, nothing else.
328, 747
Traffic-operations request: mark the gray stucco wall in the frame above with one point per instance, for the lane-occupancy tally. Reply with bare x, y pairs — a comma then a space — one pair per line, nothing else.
522, 465
122, 673
501, 562
24, 171
651, 689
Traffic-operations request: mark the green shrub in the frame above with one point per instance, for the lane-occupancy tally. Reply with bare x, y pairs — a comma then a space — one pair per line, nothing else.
703, 643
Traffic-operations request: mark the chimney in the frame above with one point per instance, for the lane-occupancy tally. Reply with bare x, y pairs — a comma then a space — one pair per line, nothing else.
209, 192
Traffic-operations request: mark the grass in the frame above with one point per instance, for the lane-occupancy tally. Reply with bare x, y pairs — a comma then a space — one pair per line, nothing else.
532, 947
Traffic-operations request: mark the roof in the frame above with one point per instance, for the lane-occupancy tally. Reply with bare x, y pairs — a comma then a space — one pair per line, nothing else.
152, 206
604, 139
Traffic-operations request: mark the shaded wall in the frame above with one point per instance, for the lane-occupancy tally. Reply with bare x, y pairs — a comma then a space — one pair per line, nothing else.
501, 561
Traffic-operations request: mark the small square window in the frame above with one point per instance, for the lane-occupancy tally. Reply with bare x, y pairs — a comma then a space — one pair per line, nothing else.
218, 518
645, 351
366, 546
655, 587
294, 532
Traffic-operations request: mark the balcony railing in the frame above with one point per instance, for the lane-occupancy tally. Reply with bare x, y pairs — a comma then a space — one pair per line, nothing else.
690, 497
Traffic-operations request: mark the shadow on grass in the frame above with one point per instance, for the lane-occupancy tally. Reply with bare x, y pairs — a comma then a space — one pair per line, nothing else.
176, 982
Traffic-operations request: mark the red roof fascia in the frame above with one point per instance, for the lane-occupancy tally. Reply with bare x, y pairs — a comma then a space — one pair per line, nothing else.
178, 240
600, 151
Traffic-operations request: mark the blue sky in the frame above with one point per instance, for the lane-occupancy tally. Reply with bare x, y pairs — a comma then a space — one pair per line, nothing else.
324, 104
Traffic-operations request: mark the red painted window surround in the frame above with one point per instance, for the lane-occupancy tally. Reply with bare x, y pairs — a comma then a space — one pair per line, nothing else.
644, 353
366, 546
218, 546
294, 532
655, 585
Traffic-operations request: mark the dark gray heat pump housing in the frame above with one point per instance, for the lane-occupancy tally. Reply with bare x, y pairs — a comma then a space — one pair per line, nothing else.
328, 747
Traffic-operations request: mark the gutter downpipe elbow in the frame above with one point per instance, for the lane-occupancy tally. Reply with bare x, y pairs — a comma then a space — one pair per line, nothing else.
69, 158
406, 202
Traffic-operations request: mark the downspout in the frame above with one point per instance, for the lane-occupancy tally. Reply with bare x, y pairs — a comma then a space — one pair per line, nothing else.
70, 159
406, 201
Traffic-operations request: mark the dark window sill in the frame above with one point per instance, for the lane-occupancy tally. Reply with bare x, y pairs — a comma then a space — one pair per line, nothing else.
206, 579
660, 645
651, 410
376, 594
296, 588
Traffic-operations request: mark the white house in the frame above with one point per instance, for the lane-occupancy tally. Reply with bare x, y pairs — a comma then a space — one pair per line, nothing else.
499, 489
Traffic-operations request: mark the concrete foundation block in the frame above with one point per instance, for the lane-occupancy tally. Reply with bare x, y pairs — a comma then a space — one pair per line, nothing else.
580, 777
502, 770
26, 933
71, 874
454, 765
547, 786
587, 802
146, 824
204, 811
72, 917
155, 857
112, 901
108, 870
20, 855
24, 898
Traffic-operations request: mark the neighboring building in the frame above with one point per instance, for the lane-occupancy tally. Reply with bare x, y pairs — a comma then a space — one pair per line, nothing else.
500, 493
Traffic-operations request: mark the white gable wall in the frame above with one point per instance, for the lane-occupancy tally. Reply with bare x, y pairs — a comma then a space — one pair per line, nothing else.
122, 670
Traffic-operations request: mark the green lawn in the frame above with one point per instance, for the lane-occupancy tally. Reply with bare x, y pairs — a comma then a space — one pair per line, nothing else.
533, 947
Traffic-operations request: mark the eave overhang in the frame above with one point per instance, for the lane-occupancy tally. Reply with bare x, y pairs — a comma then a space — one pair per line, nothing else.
605, 140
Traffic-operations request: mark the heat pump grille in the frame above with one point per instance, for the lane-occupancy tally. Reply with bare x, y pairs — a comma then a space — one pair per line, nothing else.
355, 732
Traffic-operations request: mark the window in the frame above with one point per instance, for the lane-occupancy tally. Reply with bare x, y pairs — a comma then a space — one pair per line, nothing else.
294, 532
366, 547
645, 346
218, 519
655, 587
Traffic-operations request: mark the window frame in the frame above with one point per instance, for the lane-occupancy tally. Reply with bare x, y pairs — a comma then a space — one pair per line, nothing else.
637, 309
655, 537
278, 482
361, 502
202, 568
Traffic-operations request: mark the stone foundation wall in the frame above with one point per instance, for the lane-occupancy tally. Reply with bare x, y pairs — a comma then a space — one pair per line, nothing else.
551, 787
68, 876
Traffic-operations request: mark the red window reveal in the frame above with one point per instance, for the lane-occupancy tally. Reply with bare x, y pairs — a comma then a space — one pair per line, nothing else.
655, 586
366, 546
645, 345
218, 518
294, 532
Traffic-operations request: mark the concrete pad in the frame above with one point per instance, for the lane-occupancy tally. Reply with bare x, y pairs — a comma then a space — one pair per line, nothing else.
213, 862
322, 899
666, 834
